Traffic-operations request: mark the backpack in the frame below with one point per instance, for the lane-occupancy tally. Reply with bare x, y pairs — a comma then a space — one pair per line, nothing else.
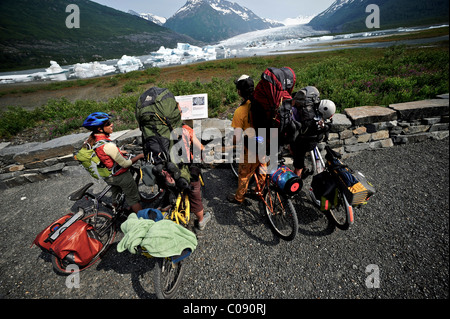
70, 238
158, 115
275, 86
307, 113
91, 162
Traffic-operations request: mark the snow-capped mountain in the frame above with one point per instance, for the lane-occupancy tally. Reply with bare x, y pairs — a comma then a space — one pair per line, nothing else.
149, 16
215, 20
298, 20
153, 18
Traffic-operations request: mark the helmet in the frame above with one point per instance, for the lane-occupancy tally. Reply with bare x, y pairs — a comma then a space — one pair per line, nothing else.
327, 108
96, 119
245, 84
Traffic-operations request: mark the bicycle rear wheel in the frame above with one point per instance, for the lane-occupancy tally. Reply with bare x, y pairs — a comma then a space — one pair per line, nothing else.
167, 277
106, 233
282, 215
341, 215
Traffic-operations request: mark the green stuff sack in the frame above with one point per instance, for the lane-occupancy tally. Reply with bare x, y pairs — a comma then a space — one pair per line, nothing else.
90, 161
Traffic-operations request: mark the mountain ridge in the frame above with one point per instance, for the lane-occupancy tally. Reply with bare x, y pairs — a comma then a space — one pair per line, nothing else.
214, 20
350, 15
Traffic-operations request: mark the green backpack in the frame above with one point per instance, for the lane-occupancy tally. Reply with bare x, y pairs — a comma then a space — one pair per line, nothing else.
158, 115
90, 161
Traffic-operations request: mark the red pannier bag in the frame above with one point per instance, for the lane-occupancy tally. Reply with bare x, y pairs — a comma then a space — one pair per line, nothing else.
70, 238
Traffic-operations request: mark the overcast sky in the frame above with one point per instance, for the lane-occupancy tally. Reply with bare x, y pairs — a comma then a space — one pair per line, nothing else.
271, 9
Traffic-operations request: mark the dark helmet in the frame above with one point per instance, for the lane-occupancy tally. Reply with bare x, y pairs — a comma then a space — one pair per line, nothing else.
245, 84
97, 119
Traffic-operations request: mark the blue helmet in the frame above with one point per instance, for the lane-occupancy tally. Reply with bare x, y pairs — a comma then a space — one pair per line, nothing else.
96, 119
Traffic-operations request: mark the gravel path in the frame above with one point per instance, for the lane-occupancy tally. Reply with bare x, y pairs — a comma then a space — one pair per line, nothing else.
403, 233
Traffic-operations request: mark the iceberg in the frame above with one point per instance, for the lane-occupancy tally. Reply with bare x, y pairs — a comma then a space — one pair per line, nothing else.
184, 53
92, 69
129, 63
56, 72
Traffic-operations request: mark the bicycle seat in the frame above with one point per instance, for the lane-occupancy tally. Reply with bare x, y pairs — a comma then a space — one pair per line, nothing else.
77, 195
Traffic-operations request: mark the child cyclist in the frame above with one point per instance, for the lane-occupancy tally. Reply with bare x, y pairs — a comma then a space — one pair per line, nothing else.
113, 158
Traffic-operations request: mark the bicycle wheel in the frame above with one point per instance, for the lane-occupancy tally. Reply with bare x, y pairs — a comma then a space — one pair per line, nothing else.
103, 225
148, 193
282, 215
235, 168
167, 277
341, 215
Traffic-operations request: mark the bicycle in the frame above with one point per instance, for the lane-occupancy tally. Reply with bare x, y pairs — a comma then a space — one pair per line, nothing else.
277, 205
175, 205
105, 224
339, 209
169, 271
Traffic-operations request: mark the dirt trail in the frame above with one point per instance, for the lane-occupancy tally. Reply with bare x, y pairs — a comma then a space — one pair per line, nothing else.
33, 99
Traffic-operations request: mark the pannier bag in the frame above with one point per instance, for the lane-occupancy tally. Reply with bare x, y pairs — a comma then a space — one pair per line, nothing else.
355, 186
325, 190
286, 180
71, 238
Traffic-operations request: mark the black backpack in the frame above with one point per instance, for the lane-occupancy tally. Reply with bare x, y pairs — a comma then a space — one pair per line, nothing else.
306, 109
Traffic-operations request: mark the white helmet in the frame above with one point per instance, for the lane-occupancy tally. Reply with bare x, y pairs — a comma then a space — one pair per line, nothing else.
327, 108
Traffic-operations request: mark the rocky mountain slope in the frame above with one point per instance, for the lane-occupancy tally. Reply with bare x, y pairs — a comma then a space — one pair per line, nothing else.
215, 20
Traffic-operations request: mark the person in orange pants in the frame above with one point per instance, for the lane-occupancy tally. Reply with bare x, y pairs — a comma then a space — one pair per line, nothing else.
241, 123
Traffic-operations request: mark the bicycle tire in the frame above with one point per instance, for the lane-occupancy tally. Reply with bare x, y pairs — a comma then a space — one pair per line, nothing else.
167, 277
147, 194
60, 265
339, 215
283, 219
235, 168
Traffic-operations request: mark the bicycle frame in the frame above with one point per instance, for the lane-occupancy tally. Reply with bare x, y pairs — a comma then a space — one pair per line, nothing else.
317, 160
260, 193
182, 211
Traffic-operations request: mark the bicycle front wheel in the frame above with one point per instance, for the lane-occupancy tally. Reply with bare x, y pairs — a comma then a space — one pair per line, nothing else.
105, 232
282, 215
167, 277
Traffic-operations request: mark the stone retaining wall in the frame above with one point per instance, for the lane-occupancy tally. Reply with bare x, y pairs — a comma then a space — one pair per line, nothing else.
358, 129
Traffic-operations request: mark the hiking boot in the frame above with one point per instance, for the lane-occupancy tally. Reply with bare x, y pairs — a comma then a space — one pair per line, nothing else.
206, 219
232, 199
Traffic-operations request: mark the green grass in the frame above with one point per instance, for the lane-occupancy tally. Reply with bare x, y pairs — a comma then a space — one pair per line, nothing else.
350, 78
